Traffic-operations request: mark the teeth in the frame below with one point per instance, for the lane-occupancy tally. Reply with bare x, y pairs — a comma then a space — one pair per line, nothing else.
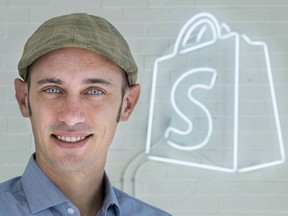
70, 139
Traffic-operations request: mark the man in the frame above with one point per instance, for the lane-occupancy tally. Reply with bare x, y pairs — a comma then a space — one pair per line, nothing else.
78, 81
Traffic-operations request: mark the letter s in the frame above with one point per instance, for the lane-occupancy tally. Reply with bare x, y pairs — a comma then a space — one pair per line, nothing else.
187, 83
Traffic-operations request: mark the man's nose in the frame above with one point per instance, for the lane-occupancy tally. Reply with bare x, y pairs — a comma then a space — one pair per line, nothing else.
72, 111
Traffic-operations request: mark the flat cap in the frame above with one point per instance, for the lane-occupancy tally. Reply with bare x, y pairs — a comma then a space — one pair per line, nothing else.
79, 30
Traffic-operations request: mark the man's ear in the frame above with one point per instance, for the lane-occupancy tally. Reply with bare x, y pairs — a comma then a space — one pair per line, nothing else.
21, 93
130, 100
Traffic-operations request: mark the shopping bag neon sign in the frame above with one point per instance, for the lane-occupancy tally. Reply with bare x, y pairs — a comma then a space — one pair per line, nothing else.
204, 24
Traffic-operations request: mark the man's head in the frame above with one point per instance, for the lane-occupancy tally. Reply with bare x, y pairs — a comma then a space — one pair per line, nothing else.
79, 30
76, 91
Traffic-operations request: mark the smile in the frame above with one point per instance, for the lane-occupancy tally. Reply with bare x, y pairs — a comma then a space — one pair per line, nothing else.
70, 139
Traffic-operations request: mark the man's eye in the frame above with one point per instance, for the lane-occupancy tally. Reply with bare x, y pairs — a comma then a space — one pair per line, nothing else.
95, 92
52, 90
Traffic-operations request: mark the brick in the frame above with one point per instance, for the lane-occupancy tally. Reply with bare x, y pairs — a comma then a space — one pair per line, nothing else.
126, 141
16, 41
124, 3
149, 15
280, 92
131, 30
11, 171
14, 15
20, 125
9, 62
77, 4
263, 3
3, 158
147, 171
11, 142
11, 93
4, 93
39, 16
3, 125
169, 31
8, 77
149, 47
9, 109
163, 202
30, 3
3, 3
161, 3
115, 171
247, 203
208, 204
3, 33
219, 3
19, 157
113, 15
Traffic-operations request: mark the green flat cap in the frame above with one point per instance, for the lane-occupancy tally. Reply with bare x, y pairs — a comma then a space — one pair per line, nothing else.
79, 30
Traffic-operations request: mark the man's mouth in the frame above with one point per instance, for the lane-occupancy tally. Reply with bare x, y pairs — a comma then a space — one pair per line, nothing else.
70, 139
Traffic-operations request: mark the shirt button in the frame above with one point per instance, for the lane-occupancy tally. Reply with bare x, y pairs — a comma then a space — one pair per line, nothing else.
70, 211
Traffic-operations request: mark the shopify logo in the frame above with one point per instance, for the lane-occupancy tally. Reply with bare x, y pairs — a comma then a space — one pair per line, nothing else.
213, 103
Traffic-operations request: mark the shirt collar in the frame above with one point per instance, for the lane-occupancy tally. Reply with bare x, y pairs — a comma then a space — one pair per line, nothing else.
41, 193
110, 202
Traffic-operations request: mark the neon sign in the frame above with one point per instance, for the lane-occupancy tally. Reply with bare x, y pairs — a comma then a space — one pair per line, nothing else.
197, 117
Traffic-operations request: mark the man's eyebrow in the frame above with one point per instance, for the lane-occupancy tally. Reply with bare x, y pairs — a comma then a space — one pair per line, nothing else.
86, 81
97, 81
49, 80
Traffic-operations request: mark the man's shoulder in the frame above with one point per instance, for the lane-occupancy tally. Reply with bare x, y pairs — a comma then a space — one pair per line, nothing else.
10, 190
130, 203
12, 198
10, 186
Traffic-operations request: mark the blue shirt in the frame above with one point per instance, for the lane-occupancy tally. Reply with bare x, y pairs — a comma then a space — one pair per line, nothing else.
35, 194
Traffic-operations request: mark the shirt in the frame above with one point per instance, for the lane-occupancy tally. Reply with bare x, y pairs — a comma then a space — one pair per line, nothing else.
35, 194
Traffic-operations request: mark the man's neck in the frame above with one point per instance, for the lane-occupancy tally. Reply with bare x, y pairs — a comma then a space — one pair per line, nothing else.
84, 190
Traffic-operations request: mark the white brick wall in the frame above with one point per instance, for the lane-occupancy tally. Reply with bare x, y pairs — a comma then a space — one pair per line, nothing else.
151, 27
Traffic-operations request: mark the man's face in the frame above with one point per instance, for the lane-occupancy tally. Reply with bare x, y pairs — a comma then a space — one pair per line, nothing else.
75, 100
